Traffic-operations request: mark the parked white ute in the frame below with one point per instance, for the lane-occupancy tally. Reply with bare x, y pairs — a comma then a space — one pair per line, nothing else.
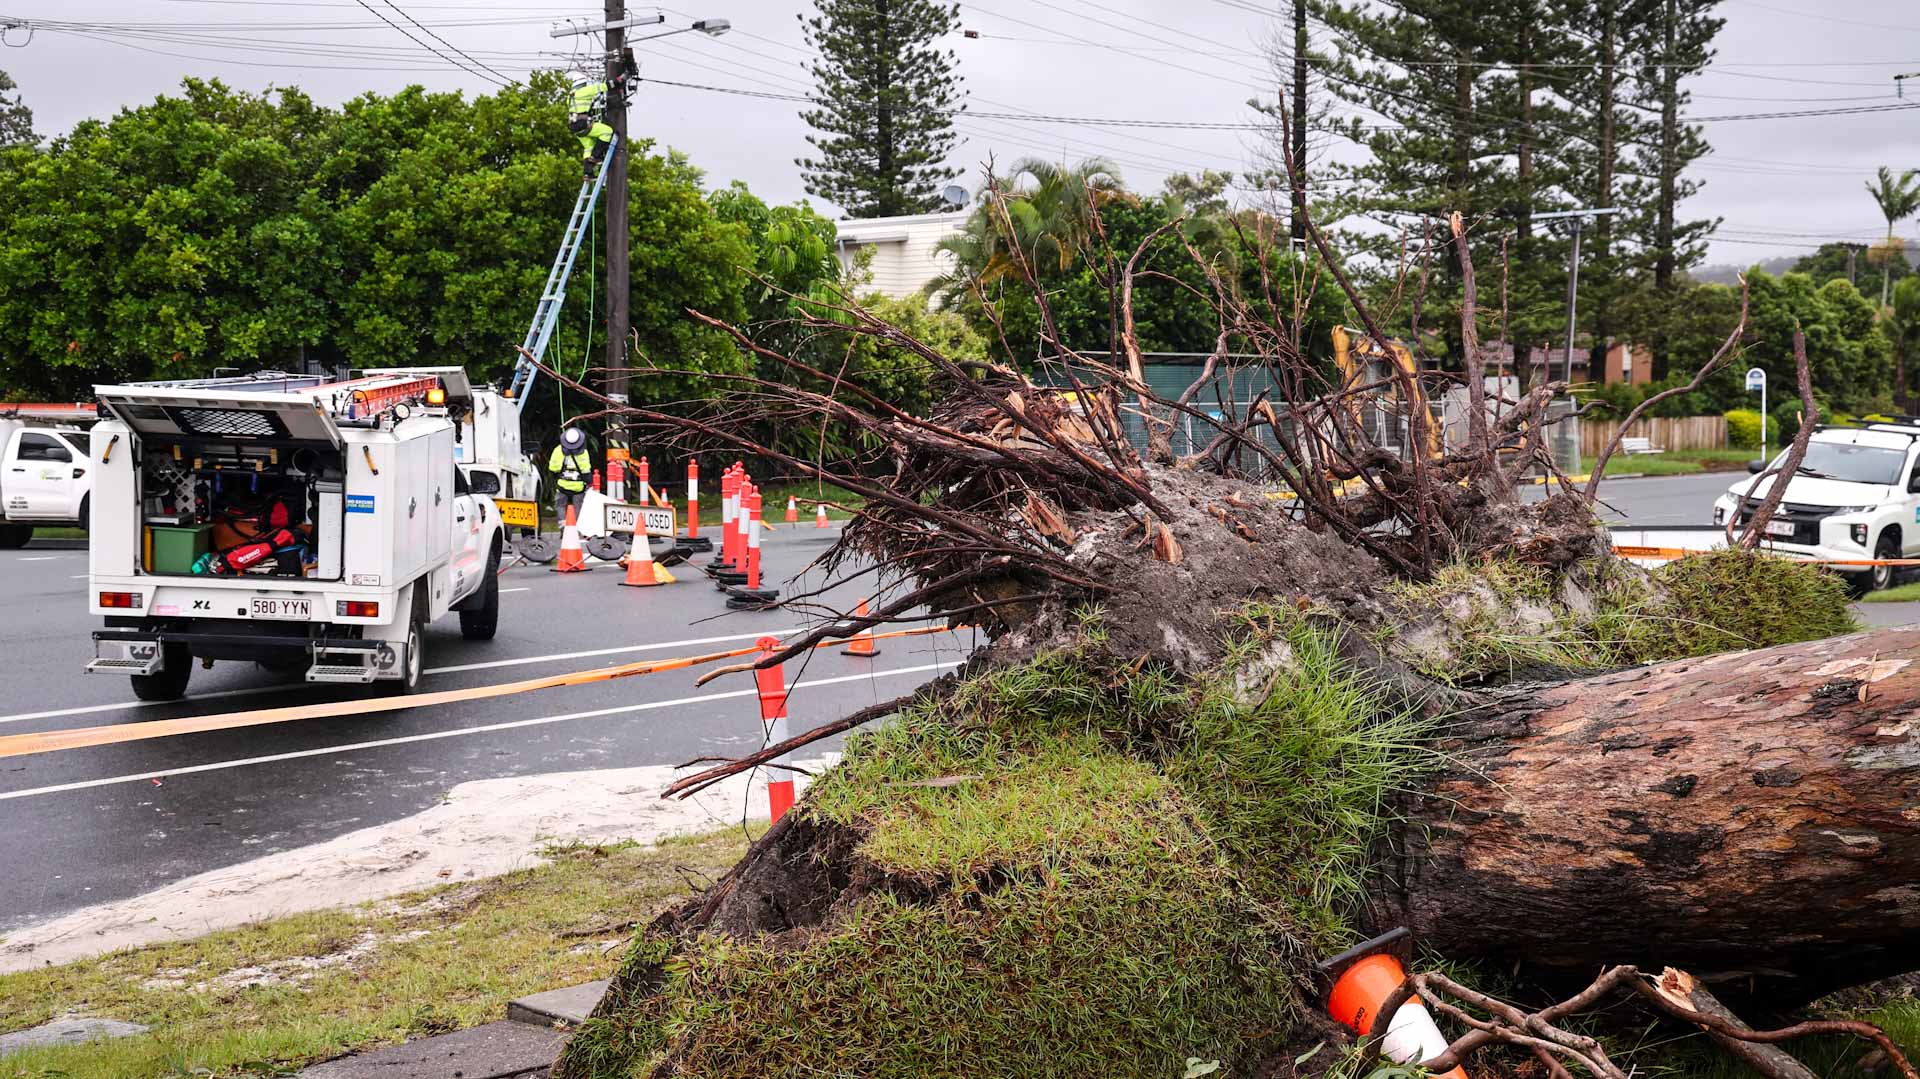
1855, 497
300, 522
45, 480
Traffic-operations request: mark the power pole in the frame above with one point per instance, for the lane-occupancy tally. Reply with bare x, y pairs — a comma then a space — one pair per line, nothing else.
1298, 166
618, 281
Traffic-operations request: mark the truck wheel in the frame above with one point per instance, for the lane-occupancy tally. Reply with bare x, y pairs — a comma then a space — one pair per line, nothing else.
170, 682
478, 623
14, 536
1877, 578
86, 513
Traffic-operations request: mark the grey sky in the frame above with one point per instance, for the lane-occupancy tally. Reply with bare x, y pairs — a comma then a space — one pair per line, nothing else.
1782, 184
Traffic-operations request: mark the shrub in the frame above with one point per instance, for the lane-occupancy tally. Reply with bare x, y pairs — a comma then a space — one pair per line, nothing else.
1743, 427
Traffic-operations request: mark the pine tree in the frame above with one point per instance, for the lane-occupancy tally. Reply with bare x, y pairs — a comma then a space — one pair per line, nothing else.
887, 97
16, 120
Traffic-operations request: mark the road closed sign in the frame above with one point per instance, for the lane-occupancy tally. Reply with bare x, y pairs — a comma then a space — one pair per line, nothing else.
650, 520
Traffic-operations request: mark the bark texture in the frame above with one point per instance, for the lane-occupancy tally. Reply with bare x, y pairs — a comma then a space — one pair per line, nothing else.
1747, 815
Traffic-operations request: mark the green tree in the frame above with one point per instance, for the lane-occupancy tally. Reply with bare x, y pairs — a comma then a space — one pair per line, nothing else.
1902, 327
1847, 262
16, 120
887, 96
1898, 199
1850, 359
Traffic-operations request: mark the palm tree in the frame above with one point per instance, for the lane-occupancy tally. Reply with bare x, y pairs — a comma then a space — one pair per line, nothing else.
1045, 214
1899, 199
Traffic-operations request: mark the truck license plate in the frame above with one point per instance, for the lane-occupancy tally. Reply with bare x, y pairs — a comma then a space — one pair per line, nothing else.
297, 610
1779, 528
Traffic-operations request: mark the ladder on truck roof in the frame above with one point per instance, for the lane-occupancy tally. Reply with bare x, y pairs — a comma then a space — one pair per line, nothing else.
546, 315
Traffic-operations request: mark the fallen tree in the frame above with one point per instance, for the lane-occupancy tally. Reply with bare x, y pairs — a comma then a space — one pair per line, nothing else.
1242, 705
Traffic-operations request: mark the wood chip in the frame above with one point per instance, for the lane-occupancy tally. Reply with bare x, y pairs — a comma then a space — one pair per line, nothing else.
1165, 547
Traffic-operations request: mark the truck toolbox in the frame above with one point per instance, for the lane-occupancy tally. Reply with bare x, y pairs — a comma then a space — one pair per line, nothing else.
175, 548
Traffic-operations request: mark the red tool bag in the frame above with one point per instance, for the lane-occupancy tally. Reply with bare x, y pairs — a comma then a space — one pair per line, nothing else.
247, 554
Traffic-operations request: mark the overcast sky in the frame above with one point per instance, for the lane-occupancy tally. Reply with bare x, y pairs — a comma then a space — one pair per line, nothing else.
1781, 185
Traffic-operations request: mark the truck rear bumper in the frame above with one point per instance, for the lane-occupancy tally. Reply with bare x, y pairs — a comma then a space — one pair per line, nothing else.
126, 650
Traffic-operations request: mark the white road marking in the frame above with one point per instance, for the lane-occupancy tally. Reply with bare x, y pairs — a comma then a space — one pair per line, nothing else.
20, 717
436, 735
38, 558
504, 591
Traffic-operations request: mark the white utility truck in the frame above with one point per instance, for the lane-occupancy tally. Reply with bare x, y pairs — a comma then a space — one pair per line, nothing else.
1855, 498
45, 480
297, 521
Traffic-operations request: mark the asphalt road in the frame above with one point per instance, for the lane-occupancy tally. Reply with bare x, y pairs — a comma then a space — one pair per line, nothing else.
97, 824
92, 825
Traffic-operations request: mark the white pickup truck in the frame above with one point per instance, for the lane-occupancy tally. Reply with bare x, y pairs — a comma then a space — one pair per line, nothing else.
1856, 497
44, 477
295, 521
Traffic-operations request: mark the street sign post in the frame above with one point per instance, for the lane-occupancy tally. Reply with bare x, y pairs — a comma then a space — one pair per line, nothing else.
1757, 380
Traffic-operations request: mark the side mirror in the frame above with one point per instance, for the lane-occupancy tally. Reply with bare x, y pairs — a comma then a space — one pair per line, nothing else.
483, 483
1756, 467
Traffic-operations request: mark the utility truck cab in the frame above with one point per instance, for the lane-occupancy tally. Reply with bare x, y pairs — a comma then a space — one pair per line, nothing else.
296, 521
1855, 498
45, 479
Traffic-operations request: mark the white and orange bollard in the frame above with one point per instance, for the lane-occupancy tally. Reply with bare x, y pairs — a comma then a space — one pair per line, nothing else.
729, 485
752, 597
573, 557
695, 541
773, 718
616, 479
1362, 979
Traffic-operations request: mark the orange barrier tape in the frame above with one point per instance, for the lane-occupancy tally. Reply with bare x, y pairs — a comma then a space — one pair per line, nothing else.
20, 745
1682, 552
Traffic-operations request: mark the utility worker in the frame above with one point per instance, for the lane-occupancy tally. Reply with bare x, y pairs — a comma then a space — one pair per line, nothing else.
585, 111
571, 464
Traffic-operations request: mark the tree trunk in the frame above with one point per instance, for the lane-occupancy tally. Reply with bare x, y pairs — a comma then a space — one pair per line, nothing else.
1297, 168
1753, 814
1602, 273
1664, 260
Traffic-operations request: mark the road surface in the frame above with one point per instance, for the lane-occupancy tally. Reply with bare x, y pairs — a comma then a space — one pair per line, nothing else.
91, 825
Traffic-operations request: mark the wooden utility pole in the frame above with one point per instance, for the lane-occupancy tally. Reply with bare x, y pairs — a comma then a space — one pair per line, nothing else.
1297, 168
618, 283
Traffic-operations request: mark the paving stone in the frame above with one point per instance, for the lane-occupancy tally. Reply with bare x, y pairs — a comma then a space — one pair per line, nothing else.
503, 1050
558, 1007
67, 1032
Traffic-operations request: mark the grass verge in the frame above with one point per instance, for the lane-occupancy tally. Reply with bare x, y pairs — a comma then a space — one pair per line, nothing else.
1906, 593
1676, 462
266, 998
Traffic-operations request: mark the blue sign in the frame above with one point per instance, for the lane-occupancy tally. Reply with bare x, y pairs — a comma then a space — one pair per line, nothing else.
359, 503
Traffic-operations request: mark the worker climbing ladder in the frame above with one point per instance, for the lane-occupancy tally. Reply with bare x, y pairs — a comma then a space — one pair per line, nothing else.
553, 296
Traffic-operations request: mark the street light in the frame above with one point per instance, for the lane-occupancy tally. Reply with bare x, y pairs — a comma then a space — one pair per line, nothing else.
1567, 448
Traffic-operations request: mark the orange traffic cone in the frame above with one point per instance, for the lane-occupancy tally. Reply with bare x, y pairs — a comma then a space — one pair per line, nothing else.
793, 509
642, 572
862, 643
819, 515
572, 558
1363, 979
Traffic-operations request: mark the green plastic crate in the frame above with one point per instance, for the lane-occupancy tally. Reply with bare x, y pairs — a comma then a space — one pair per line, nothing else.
176, 547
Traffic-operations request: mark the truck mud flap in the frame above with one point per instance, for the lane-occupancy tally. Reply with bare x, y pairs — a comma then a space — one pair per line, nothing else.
126, 657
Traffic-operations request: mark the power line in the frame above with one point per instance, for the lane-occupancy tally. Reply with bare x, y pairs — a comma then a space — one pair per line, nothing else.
504, 81
409, 34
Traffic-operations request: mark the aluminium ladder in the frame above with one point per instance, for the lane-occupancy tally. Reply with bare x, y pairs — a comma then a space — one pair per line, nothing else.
553, 296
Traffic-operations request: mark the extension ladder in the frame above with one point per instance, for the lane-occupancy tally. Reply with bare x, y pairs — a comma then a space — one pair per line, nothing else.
553, 296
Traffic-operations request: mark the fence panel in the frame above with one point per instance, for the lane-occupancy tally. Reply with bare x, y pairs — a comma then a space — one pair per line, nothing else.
1666, 432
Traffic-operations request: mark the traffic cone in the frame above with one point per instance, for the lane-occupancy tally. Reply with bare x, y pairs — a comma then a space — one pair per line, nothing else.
1363, 978
793, 509
773, 718
642, 571
819, 515
573, 559
862, 642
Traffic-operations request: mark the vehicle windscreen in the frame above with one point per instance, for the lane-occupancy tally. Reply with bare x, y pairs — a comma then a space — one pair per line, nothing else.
79, 441
1845, 461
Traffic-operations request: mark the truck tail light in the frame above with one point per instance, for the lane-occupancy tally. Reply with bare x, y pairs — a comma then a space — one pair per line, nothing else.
357, 608
127, 600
